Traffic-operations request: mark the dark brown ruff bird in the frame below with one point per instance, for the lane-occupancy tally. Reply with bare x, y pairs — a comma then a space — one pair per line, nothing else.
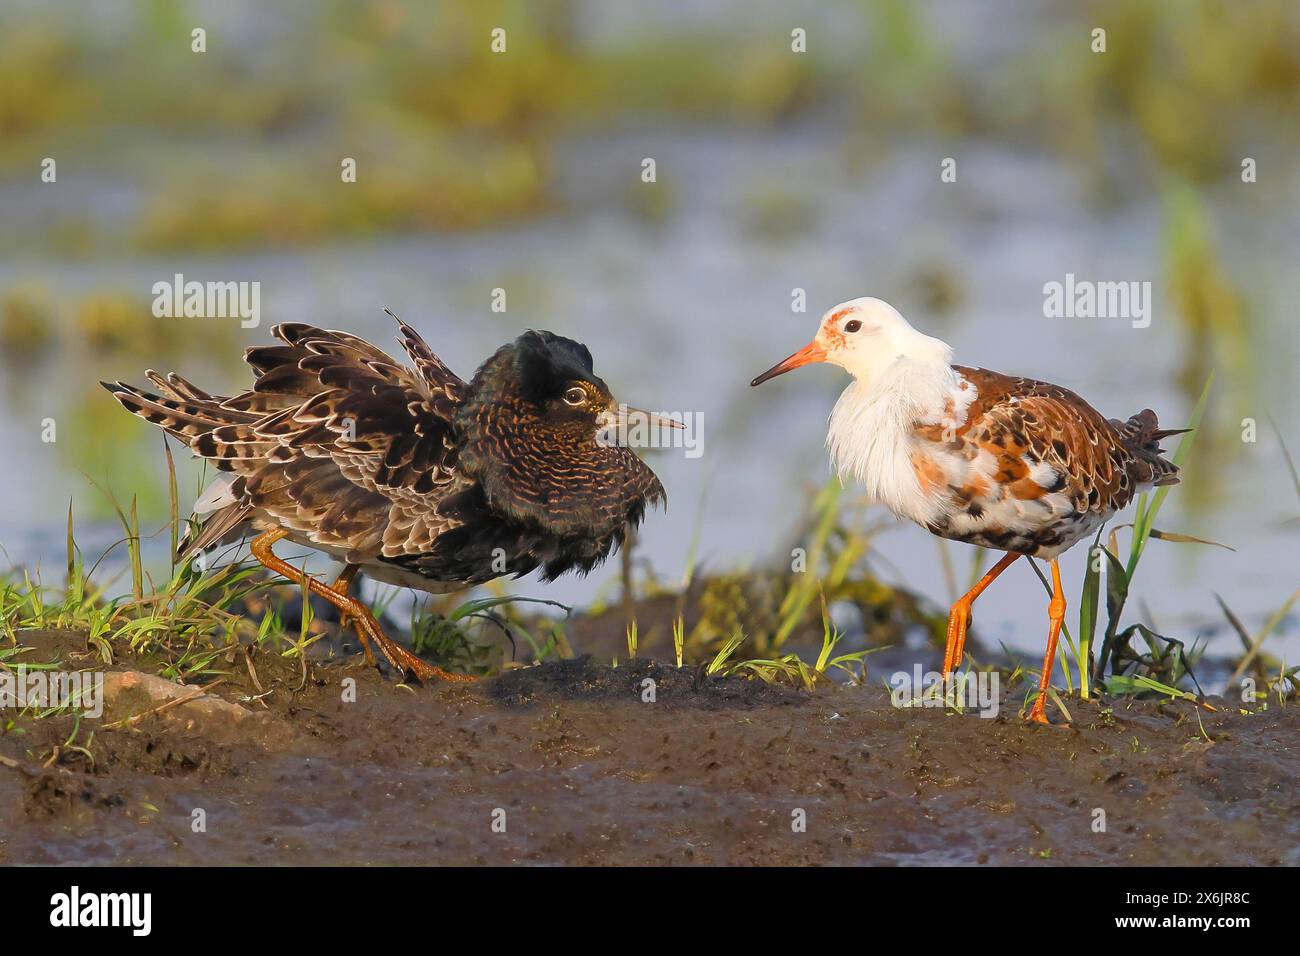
1006, 463
416, 477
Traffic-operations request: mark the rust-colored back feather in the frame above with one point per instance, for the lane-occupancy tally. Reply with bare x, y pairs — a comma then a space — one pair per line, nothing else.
1104, 463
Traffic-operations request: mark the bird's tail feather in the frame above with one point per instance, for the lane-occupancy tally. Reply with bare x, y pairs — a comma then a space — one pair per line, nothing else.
1142, 434
191, 416
204, 531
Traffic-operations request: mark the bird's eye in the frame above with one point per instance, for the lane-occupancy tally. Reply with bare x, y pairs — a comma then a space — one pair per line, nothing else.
852, 325
575, 396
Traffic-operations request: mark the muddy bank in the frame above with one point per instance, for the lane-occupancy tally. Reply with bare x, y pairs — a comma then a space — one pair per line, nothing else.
574, 763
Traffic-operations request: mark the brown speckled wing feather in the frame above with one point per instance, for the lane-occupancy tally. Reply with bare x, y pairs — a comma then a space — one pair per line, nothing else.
335, 440
1099, 463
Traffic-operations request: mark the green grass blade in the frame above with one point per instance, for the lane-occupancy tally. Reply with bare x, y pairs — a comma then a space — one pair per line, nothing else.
1088, 602
1116, 596
1264, 632
485, 604
1147, 510
174, 514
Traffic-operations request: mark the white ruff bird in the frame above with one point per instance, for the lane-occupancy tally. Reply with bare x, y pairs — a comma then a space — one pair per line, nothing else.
1006, 463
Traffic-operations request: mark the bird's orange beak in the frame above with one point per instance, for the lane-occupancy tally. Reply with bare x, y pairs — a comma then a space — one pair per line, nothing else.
812, 352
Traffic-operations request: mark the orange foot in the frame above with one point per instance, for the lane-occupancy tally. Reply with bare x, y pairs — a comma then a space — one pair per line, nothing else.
367, 627
958, 624
403, 661
1038, 713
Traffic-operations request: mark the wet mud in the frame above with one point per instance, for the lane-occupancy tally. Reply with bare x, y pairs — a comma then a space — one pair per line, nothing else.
577, 763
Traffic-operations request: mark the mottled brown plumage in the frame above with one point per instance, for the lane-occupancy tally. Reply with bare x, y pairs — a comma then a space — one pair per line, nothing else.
416, 476
1042, 440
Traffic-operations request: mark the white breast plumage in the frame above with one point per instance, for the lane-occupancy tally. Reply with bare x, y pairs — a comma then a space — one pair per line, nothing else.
872, 433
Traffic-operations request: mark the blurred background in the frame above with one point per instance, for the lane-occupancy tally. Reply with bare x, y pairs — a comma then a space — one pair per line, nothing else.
775, 171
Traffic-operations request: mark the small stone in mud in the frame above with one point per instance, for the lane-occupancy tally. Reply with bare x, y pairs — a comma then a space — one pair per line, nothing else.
131, 694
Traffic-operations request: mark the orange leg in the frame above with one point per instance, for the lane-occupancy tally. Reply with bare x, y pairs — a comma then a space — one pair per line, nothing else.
340, 586
959, 616
1055, 615
367, 627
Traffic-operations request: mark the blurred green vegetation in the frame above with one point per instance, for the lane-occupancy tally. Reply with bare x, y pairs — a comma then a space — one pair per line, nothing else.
1192, 76
87, 332
241, 145
246, 140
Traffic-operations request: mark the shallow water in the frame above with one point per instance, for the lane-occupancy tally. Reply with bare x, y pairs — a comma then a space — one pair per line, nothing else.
680, 312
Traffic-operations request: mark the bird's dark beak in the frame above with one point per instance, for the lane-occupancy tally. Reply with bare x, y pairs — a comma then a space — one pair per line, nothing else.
615, 425
627, 415
812, 352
